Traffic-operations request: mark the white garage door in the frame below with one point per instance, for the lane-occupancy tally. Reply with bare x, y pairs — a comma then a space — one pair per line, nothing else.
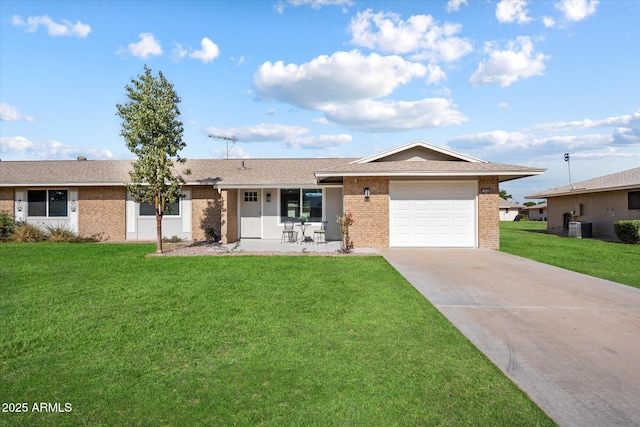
432, 214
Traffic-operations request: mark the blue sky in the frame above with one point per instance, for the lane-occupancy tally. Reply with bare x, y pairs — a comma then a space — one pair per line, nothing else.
517, 82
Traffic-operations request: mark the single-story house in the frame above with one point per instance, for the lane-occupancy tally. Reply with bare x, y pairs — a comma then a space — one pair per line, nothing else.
417, 194
508, 210
536, 212
600, 202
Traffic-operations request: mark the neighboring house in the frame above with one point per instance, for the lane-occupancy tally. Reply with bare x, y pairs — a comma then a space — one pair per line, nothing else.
417, 194
536, 212
508, 210
599, 201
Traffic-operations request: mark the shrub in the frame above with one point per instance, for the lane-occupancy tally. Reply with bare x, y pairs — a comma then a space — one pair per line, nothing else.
7, 225
172, 239
628, 231
60, 234
28, 233
345, 221
211, 235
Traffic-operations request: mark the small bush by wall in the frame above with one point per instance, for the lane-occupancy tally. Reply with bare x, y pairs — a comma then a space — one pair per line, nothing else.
628, 231
7, 225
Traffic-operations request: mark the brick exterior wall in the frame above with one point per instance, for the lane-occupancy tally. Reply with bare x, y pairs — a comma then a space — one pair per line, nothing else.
488, 213
371, 219
229, 220
6, 200
102, 210
205, 211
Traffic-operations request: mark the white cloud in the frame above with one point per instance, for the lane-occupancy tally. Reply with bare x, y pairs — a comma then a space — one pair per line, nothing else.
322, 142
179, 51
523, 144
503, 105
51, 150
234, 153
388, 116
345, 86
263, 132
548, 22
315, 4
577, 10
147, 46
435, 74
340, 78
9, 113
627, 121
619, 143
505, 67
419, 35
238, 61
208, 53
508, 11
454, 5
55, 29
293, 137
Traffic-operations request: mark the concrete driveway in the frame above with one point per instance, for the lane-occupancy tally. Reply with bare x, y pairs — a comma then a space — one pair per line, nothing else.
570, 341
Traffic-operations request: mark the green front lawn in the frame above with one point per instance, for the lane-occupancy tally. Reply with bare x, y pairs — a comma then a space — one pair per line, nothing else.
612, 261
128, 340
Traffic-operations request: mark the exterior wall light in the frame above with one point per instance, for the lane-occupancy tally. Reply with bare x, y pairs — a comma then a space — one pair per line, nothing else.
268, 197
485, 190
19, 205
367, 194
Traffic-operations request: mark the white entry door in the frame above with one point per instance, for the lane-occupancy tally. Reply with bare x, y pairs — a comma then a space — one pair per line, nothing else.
250, 214
432, 213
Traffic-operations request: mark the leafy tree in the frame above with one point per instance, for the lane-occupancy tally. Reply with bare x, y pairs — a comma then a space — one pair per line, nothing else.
529, 203
152, 131
504, 195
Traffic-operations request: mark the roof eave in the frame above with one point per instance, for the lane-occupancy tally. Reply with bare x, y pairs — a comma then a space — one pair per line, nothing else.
545, 195
503, 176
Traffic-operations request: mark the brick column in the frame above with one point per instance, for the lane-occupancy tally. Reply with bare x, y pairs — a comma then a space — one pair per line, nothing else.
488, 213
229, 216
206, 211
371, 218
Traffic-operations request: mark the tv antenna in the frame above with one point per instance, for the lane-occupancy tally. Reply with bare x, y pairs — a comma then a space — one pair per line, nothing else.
567, 159
232, 138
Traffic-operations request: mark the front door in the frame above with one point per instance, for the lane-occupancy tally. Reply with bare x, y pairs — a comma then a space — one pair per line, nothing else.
250, 214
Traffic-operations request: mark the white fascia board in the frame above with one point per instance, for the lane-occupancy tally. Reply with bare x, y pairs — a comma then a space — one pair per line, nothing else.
451, 174
419, 143
290, 185
545, 195
64, 184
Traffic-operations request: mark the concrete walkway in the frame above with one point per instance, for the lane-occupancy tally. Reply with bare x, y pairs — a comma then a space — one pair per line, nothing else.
570, 341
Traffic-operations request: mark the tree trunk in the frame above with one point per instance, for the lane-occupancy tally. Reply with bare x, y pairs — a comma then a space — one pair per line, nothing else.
158, 233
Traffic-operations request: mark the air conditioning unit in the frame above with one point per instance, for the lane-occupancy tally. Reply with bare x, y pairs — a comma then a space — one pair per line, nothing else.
580, 230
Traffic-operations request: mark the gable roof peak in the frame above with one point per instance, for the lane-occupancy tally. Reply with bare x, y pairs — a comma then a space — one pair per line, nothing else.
420, 144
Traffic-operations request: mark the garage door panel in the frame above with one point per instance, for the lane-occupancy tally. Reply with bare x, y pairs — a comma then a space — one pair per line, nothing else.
433, 214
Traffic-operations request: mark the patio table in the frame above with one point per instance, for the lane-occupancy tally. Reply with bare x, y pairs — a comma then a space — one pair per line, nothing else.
303, 228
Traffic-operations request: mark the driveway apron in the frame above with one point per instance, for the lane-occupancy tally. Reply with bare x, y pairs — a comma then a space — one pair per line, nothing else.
570, 341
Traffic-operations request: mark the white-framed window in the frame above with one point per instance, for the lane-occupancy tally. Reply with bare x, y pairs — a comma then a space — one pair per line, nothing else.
48, 203
250, 196
171, 209
296, 203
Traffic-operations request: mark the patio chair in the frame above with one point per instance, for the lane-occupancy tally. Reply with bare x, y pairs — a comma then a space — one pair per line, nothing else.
288, 233
320, 236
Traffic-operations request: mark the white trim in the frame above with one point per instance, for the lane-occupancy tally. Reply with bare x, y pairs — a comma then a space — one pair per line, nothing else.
20, 196
73, 216
185, 209
448, 174
419, 143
